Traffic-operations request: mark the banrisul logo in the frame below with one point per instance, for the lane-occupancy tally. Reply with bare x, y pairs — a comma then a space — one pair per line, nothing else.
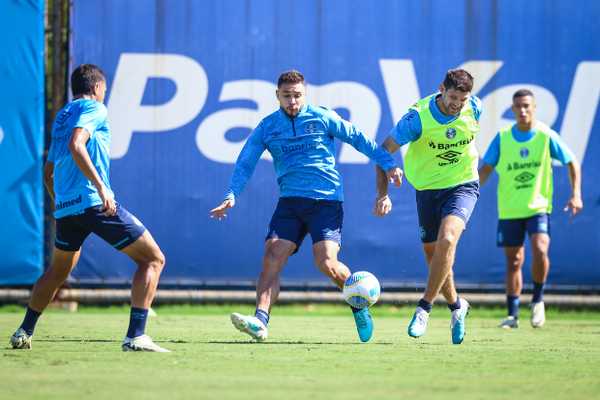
524, 177
524, 152
451, 133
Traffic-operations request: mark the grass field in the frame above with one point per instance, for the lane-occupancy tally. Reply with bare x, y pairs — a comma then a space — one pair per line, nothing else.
312, 353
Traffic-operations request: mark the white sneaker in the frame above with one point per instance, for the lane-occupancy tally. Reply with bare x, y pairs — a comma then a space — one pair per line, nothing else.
20, 339
538, 314
509, 322
142, 343
418, 323
250, 325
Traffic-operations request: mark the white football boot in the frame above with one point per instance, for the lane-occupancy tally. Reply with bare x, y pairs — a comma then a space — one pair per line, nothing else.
538, 314
509, 322
250, 325
142, 343
20, 339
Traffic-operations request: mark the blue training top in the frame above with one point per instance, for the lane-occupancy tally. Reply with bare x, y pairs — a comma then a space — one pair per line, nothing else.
303, 153
409, 128
73, 191
558, 149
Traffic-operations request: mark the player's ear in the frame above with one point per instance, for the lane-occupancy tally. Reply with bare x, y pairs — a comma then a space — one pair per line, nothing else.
442, 88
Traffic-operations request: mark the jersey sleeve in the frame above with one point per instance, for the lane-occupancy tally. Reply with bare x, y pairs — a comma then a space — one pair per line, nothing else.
246, 162
477, 107
348, 133
559, 150
92, 115
492, 155
408, 129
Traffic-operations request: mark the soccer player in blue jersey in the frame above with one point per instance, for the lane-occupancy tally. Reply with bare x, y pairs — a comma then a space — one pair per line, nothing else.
300, 138
76, 177
522, 155
441, 163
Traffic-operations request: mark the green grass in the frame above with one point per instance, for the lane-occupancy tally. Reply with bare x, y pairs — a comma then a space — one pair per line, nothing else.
312, 352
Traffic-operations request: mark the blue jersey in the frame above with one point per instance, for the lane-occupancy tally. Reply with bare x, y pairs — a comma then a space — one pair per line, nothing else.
409, 128
303, 153
73, 191
558, 149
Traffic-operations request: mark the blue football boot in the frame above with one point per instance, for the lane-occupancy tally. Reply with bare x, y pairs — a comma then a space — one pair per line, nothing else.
418, 323
364, 323
457, 323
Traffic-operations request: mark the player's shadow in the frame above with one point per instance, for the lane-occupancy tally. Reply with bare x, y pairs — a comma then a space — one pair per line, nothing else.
291, 342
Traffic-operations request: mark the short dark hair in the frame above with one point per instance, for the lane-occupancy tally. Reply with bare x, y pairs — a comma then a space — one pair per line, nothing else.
522, 93
291, 76
84, 78
458, 79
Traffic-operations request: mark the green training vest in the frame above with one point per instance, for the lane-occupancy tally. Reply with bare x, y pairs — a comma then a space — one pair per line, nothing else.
525, 174
445, 155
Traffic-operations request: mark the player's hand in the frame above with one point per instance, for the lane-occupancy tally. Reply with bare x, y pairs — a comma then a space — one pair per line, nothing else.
383, 206
220, 212
109, 206
395, 176
575, 204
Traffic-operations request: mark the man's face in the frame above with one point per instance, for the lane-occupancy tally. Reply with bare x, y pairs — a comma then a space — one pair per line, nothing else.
100, 91
524, 109
453, 100
291, 97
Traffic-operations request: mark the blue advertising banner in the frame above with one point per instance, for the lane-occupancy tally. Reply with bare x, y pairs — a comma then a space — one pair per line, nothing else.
21, 141
188, 81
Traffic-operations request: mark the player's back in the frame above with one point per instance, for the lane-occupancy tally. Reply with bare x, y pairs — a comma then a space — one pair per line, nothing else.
73, 191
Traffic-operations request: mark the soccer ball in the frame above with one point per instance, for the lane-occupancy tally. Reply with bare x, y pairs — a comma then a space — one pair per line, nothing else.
361, 289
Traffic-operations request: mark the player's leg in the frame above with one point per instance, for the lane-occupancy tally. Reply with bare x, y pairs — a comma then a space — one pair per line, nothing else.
126, 233
286, 232
539, 229
277, 251
42, 294
70, 234
448, 289
511, 236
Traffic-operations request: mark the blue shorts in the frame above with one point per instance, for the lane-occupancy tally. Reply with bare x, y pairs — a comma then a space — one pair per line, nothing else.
119, 230
511, 232
294, 217
434, 205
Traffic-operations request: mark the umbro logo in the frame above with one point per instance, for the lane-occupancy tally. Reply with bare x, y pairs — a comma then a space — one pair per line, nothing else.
449, 155
524, 177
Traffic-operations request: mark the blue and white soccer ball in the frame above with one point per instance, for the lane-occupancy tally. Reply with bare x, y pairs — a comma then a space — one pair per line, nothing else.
361, 289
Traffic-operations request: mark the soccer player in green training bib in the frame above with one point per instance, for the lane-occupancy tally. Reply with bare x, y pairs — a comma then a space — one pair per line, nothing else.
522, 156
441, 163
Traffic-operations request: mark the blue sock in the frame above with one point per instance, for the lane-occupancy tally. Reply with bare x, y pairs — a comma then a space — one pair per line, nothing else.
137, 322
538, 292
31, 317
454, 306
512, 302
262, 316
425, 305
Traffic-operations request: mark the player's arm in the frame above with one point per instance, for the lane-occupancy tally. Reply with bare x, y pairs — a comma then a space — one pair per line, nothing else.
244, 167
49, 178
484, 173
78, 149
490, 160
559, 151
383, 203
575, 203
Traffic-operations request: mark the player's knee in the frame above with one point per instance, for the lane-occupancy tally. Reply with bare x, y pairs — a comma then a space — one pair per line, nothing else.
275, 257
159, 261
447, 240
328, 265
